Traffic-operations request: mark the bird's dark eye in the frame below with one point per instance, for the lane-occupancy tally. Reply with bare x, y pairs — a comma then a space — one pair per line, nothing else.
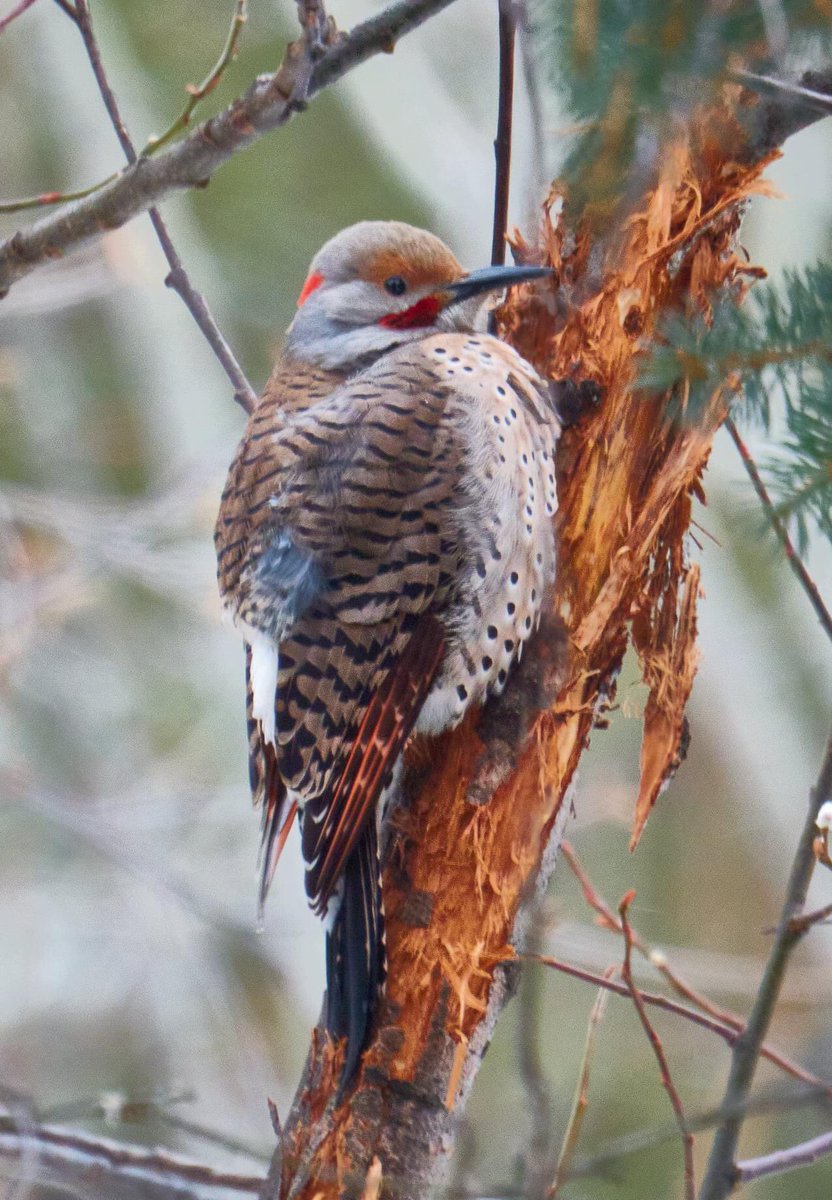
395, 285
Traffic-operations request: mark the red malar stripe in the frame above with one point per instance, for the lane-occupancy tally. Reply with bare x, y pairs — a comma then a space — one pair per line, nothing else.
423, 312
313, 282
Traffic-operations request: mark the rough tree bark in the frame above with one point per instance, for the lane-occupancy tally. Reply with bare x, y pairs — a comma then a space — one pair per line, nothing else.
485, 806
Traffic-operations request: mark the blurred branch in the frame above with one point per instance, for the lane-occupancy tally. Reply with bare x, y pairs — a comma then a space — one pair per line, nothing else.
269, 103
92, 1167
614, 1151
780, 1161
580, 1101
17, 11
143, 865
538, 1157
793, 558
178, 278
658, 1049
721, 1173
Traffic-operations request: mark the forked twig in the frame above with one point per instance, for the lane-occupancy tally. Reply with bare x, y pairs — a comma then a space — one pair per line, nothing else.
658, 1049
680, 985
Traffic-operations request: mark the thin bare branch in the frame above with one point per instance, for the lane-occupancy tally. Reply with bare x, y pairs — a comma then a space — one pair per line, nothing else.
726, 1032
794, 560
780, 1161
177, 279
658, 1049
721, 1172
580, 1101
646, 1139
502, 143
269, 103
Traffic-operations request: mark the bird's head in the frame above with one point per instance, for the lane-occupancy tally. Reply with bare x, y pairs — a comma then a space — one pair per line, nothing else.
379, 284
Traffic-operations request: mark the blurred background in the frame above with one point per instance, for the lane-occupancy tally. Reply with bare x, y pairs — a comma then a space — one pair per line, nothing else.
131, 965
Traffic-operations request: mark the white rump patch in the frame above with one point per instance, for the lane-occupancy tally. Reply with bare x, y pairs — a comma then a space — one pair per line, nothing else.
263, 681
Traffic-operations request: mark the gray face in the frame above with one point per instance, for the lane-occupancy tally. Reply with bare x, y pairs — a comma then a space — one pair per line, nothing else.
342, 319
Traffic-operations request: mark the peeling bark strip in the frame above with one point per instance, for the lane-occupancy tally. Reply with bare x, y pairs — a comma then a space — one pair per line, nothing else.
479, 833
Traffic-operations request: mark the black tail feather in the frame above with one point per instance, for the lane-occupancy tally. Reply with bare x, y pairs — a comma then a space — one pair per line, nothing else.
355, 953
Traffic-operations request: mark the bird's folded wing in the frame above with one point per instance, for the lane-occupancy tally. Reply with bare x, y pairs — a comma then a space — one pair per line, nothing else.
332, 821
340, 530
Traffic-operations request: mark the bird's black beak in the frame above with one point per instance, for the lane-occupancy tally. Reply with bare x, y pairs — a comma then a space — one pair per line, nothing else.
493, 279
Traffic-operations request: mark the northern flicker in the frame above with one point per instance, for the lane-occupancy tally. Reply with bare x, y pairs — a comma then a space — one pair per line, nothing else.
384, 543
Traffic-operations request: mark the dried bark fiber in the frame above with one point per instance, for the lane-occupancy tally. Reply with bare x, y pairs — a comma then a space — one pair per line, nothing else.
486, 804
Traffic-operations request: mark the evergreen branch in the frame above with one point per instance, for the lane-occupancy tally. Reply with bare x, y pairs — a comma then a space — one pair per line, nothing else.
721, 1173
270, 102
792, 557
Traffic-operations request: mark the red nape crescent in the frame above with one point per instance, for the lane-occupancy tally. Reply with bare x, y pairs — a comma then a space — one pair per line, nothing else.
313, 282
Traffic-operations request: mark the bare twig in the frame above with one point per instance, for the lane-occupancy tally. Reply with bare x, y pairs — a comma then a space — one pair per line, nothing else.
721, 1173
269, 103
49, 199
658, 1049
726, 1032
177, 278
795, 561
579, 1103
198, 92
117, 1169
780, 1161
680, 985
17, 11
502, 142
